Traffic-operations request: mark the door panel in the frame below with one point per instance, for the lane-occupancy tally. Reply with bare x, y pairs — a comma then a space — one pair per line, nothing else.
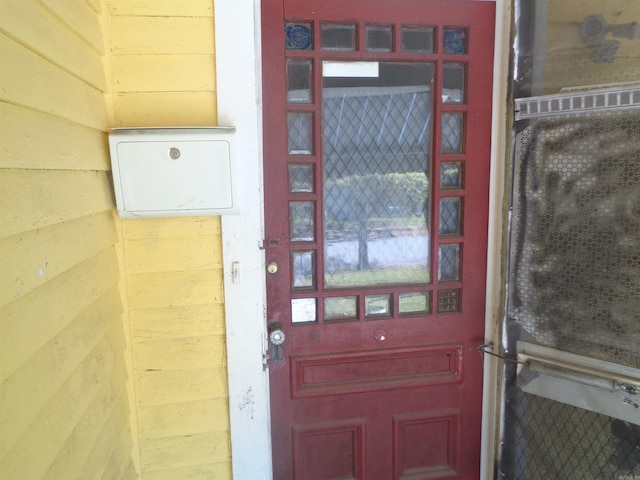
376, 141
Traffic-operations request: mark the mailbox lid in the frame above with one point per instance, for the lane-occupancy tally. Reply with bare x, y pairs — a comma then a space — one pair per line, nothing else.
173, 171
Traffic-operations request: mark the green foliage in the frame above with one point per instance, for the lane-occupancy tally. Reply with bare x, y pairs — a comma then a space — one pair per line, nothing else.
358, 197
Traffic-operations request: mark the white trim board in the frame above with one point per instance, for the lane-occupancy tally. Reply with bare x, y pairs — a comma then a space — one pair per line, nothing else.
239, 80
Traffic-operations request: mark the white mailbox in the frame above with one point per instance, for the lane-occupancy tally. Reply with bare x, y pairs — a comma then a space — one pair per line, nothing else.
172, 172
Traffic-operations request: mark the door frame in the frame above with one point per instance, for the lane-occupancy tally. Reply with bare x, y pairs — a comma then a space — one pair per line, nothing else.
239, 104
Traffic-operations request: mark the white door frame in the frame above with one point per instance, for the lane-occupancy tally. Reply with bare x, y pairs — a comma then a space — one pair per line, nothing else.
239, 104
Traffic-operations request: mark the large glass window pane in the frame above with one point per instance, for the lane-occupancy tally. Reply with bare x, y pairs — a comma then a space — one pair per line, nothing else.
376, 157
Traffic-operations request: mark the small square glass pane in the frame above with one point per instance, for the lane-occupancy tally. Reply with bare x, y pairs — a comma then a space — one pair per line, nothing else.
301, 215
454, 41
452, 132
303, 269
377, 305
449, 301
299, 81
450, 214
341, 308
298, 36
300, 178
379, 38
417, 39
303, 310
449, 262
451, 175
414, 302
453, 83
337, 37
299, 125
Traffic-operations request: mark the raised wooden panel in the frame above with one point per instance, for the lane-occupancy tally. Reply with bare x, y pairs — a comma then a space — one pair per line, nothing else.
161, 35
157, 109
168, 289
37, 83
30, 322
169, 386
425, 446
80, 17
329, 451
163, 73
177, 322
377, 370
56, 42
33, 140
184, 450
168, 8
38, 256
32, 199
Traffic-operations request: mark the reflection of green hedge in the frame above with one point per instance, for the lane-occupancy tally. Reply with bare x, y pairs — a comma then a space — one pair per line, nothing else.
375, 195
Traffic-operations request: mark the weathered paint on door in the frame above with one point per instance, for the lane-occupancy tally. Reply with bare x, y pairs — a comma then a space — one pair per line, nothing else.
377, 142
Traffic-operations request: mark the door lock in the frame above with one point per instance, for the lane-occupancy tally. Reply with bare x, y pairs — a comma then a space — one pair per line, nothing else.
276, 339
272, 268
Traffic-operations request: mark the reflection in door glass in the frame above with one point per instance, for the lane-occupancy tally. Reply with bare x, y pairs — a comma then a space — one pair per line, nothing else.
341, 308
452, 132
303, 310
298, 81
300, 178
376, 157
413, 302
299, 128
303, 266
377, 305
301, 221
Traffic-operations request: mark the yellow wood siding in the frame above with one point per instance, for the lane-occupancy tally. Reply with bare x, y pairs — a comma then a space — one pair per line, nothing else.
64, 404
163, 74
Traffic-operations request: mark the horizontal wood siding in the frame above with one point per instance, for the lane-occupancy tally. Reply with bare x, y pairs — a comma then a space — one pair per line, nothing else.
163, 74
64, 405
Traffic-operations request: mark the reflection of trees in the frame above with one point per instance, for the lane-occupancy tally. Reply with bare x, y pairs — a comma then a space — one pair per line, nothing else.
352, 201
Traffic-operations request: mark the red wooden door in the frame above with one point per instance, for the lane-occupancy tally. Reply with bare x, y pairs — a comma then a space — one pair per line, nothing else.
377, 121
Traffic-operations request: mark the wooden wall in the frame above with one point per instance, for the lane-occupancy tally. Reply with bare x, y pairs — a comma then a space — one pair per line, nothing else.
64, 406
569, 63
162, 75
